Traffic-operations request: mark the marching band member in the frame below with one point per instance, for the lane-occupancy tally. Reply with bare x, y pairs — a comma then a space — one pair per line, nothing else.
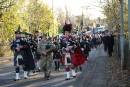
22, 55
71, 57
32, 45
85, 45
45, 48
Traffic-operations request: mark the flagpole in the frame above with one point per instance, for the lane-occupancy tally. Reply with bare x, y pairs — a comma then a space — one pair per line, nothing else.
81, 23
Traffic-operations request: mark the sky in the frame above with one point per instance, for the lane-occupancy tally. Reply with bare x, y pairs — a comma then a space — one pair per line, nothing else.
76, 6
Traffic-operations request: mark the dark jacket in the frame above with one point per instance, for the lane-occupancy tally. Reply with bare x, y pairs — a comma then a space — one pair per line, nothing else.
104, 40
94, 40
110, 43
84, 44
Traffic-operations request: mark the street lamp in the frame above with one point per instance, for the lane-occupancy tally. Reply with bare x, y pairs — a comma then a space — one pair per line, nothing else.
52, 15
122, 34
129, 20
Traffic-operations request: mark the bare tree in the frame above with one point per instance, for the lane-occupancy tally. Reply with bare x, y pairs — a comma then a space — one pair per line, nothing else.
68, 13
61, 16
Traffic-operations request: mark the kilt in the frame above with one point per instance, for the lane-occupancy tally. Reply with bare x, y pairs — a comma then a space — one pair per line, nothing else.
61, 60
15, 61
80, 56
73, 58
15, 58
27, 59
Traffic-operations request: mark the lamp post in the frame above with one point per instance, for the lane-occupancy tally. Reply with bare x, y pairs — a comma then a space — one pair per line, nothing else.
52, 16
129, 20
122, 34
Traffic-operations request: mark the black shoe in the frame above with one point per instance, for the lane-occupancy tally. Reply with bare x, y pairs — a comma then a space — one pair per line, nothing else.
38, 70
67, 79
16, 79
48, 77
45, 76
58, 68
110, 55
25, 77
74, 76
80, 68
76, 70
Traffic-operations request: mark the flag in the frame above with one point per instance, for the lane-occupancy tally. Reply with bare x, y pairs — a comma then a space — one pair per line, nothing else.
92, 30
81, 23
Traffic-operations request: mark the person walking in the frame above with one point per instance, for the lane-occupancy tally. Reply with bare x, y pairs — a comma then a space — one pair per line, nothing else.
45, 47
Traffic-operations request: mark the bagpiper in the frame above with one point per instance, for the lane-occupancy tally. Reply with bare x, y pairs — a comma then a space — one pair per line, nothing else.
21, 55
70, 51
45, 48
32, 45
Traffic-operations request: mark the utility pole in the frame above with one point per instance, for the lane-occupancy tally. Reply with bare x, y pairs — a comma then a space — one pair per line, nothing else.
129, 20
53, 16
122, 34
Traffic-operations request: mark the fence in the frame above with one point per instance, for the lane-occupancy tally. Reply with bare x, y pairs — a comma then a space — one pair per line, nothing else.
126, 52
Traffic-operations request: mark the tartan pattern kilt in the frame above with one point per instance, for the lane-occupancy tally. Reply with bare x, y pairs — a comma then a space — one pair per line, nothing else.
61, 60
27, 59
73, 58
80, 56
15, 59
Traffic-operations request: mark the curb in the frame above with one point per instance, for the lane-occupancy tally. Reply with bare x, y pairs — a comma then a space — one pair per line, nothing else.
6, 60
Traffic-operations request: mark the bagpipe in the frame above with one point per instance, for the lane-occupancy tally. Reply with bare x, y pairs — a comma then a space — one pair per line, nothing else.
69, 42
47, 46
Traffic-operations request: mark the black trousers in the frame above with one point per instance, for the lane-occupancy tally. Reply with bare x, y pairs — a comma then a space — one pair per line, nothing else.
105, 47
110, 50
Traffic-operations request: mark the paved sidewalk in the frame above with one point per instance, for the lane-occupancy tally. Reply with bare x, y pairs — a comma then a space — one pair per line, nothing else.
97, 75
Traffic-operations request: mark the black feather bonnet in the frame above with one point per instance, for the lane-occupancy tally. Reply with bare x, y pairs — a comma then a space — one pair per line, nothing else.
67, 27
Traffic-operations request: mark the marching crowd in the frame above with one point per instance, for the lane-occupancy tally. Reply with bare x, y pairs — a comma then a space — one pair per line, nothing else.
36, 53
